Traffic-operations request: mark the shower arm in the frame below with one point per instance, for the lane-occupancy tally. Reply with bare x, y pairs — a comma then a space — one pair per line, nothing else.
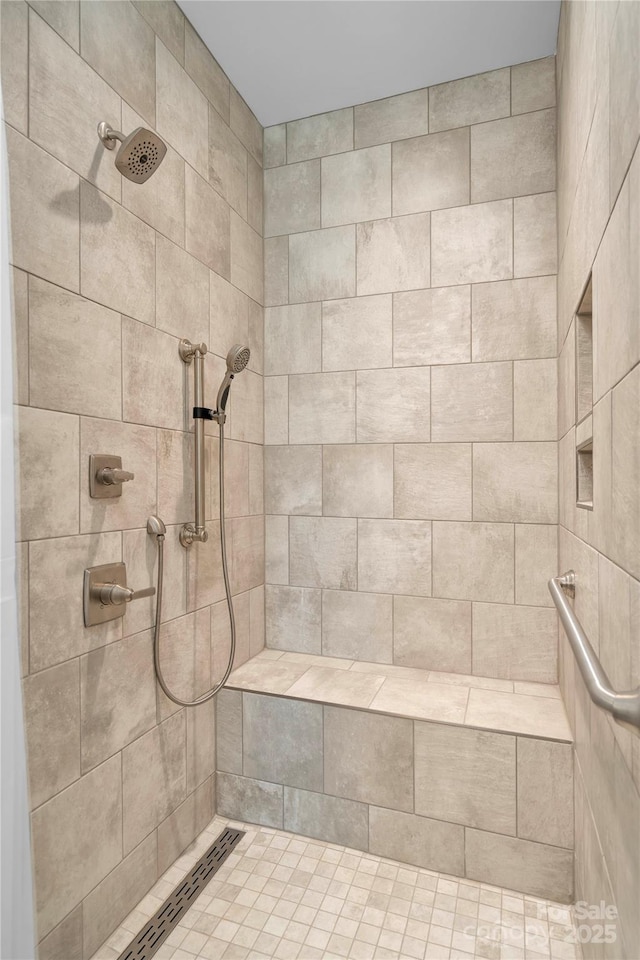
196, 352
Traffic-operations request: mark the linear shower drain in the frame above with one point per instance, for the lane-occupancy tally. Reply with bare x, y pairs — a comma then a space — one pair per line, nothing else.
156, 930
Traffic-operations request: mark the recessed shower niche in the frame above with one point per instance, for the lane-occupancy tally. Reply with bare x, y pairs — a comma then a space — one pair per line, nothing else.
584, 399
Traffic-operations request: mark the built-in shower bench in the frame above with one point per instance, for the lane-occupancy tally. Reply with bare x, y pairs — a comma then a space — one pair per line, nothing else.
471, 776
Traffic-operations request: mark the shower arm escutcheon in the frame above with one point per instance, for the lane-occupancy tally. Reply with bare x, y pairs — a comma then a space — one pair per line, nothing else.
196, 352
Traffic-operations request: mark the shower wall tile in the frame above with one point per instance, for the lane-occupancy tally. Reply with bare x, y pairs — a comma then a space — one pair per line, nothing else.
322, 408
201, 750
513, 157
276, 410
431, 172
394, 254
417, 840
255, 196
293, 616
276, 271
432, 326
495, 307
274, 143
167, 22
329, 818
52, 720
545, 783
473, 561
394, 556
357, 626
14, 52
472, 402
536, 562
534, 235
293, 477
322, 264
393, 405
515, 482
292, 198
394, 118
535, 400
356, 186
207, 224
105, 27
357, 333
320, 135
472, 244
533, 85
246, 258
476, 99
63, 16
432, 481
245, 125
276, 549
253, 800
515, 642
187, 820
182, 111
201, 67
323, 552
432, 634
152, 381
65, 941
182, 293
19, 289
357, 480
293, 753
293, 339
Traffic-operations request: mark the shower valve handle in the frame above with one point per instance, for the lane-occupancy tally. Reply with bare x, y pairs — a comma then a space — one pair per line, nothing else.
111, 475
114, 593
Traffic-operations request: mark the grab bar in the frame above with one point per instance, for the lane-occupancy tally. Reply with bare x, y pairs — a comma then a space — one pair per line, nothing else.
196, 352
624, 707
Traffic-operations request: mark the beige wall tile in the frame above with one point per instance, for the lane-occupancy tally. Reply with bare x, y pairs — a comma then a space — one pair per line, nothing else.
394, 556
201, 744
322, 264
56, 75
255, 196
357, 333
535, 403
293, 480
328, 818
236, 468
276, 410
245, 125
254, 800
357, 626
432, 326
293, 753
110, 902
63, 16
205, 209
473, 561
139, 552
159, 201
15, 69
152, 377
113, 239
247, 552
471, 402
293, 618
105, 27
52, 439
65, 941
432, 634
117, 696
247, 409
323, 552
357, 480
545, 792
322, 408
534, 235
63, 831
356, 186
534, 868
513, 157
346, 687
624, 92
368, 757
257, 620
536, 562
175, 477
472, 244
394, 254
393, 405
394, 118
204, 574
514, 642
56, 569
168, 22
431, 172
202, 67
471, 100
432, 481
182, 111
182, 293
514, 320
229, 731
185, 658
427, 843
292, 198
293, 339
276, 549
52, 723
34, 177
246, 258
20, 330
274, 145
153, 779
276, 271
466, 776
533, 85
228, 172
179, 829
320, 135
515, 482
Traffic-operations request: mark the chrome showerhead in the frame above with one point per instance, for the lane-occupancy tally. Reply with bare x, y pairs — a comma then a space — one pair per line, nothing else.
140, 154
237, 359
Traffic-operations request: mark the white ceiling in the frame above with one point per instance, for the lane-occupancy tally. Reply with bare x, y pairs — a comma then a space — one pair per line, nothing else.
294, 58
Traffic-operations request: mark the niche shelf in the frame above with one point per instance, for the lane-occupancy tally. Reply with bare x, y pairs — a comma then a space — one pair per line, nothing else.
584, 399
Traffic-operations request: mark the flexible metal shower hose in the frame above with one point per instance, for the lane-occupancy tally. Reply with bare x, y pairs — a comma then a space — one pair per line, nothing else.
156, 640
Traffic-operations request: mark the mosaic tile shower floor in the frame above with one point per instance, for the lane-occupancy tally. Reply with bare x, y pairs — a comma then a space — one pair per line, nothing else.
280, 895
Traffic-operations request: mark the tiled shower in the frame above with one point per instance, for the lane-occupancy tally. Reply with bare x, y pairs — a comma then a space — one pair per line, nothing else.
424, 282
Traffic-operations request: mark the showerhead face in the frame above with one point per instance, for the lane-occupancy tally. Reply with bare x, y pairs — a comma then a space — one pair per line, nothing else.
140, 155
238, 358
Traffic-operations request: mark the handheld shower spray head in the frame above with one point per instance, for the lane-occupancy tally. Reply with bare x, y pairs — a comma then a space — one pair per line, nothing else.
237, 360
140, 154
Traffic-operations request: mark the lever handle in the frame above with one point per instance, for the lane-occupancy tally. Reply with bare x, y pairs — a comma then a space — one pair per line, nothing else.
111, 475
113, 593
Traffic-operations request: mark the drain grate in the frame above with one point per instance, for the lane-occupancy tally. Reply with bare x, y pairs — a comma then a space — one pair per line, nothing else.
156, 930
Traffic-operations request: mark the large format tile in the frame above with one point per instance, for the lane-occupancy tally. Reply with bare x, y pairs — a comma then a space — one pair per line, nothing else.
293, 616
293, 480
65, 941
536, 562
344, 687
63, 16
207, 224
322, 264
470, 100
246, 258
52, 726
394, 254
274, 146
14, 56
322, 408
357, 480
293, 339
328, 818
473, 561
357, 625
518, 713
168, 22
199, 64
182, 293
472, 402
245, 125
514, 319
394, 556
227, 162
515, 482
292, 753
432, 481
252, 800
472, 244
393, 405
513, 157
394, 118
534, 868
533, 85
534, 235
427, 843
428, 701
292, 199
545, 792
64, 831
320, 135
323, 552
182, 111
433, 634
357, 333
276, 410
276, 270
431, 172
276, 546
368, 757
152, 377
356, 186
535, 400
432, 326
466, 776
